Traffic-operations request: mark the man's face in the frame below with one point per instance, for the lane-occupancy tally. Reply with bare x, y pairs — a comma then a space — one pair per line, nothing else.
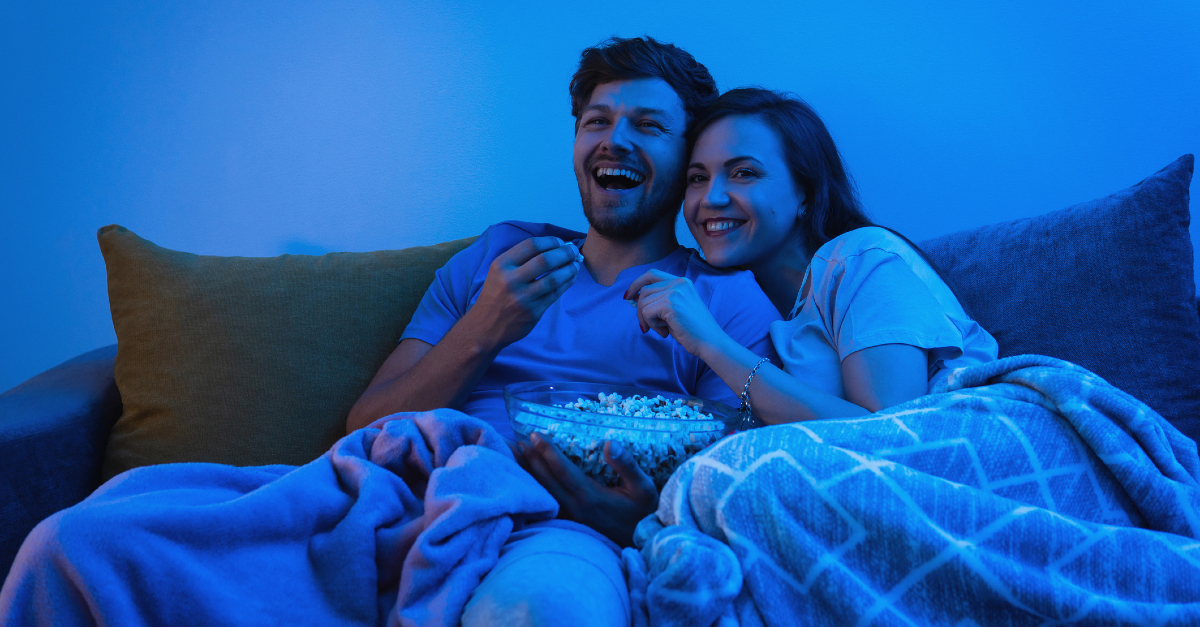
629, 156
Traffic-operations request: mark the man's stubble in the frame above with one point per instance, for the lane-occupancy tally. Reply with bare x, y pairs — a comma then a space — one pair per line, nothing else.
626, 226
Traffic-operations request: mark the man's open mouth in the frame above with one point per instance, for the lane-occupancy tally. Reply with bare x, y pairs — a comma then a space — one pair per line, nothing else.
617, 178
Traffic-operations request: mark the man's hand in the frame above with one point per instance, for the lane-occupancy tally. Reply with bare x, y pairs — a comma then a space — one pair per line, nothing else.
613, 512
521, 284
669, 305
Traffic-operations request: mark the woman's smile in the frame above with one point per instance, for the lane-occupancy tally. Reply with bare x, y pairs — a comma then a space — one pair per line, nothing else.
716, 227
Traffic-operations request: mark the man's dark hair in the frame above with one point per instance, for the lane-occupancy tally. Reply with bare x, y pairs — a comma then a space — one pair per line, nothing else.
618, 59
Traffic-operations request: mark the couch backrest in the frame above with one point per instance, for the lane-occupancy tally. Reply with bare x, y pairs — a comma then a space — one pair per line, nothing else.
1107, 284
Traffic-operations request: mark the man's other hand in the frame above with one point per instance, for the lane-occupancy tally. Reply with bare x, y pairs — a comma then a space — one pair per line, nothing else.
521, 284
613, 512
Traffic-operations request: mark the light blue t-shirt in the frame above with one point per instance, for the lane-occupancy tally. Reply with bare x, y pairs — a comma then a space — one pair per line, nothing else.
591, 334
865, 288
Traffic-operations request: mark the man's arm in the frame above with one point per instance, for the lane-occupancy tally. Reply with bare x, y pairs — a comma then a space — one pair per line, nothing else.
521, 284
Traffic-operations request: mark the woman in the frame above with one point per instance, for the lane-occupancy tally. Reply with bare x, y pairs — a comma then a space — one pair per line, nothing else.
868, 322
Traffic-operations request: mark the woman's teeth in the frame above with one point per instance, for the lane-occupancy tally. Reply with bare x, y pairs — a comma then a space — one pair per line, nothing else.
723, 225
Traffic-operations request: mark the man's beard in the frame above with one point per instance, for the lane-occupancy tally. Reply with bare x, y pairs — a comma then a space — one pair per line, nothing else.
626, 226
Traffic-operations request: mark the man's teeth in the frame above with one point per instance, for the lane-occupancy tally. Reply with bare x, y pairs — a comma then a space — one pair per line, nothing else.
722, 225
629, 174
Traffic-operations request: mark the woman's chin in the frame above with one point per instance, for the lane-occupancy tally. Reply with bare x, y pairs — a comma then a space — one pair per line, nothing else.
720, 258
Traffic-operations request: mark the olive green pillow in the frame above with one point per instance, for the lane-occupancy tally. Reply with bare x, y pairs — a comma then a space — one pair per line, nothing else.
249, 360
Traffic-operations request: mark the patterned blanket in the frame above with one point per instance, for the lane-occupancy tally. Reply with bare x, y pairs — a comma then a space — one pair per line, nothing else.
1026, 491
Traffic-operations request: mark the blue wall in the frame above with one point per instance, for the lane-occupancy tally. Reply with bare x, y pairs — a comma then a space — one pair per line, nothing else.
260, 128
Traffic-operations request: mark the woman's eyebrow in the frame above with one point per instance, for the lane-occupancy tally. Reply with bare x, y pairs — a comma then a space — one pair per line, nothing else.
697, 165
729, 162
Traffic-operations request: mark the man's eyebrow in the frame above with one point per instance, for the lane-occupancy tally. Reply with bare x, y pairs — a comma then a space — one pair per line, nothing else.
637, 111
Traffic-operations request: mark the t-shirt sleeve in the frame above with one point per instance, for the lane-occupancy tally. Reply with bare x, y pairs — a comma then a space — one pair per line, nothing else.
874, 298
456, 284
746, 314
448, 297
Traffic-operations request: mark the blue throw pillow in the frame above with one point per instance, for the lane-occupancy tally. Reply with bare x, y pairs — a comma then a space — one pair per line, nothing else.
1106, 284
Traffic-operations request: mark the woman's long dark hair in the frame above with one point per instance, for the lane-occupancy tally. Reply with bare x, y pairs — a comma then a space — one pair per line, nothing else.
831, 205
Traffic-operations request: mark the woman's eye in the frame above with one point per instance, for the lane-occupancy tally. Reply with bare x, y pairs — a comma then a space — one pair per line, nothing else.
742, 173
696, 178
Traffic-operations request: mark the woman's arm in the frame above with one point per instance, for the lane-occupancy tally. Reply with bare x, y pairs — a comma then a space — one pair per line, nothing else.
873, 378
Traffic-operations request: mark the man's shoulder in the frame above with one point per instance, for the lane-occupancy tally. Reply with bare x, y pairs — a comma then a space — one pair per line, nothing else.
499, 237
729, 287
734, 298
511, 232
700, 271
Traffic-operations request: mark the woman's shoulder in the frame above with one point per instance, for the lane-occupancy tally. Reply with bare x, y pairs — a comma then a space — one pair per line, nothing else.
863, 241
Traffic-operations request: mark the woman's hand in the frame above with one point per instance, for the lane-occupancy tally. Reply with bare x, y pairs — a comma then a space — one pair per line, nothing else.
670, 305
613, 512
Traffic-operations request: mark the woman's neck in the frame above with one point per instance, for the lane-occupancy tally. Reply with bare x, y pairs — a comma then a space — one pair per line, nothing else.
781, 274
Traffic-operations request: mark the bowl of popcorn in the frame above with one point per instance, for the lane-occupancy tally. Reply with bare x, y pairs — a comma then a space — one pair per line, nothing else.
660, 429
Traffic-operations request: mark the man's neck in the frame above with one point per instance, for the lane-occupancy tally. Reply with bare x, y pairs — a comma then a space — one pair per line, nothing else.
606, 258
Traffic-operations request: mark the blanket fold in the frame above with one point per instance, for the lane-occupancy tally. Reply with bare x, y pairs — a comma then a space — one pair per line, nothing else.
397, 523
1026, 491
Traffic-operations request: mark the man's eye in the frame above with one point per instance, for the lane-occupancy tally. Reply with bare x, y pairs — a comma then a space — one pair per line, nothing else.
650, 125
595, 122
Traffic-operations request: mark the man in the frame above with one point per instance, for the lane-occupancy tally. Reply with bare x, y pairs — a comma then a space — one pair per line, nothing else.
206, 543
517, 305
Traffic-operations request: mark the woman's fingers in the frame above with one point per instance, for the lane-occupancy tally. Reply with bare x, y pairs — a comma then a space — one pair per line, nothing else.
650, 276
654, 312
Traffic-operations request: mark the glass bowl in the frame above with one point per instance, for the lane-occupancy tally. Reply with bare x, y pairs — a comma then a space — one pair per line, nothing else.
659, 445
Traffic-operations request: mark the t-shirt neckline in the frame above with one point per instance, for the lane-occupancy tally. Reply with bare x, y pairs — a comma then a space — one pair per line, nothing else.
670, 259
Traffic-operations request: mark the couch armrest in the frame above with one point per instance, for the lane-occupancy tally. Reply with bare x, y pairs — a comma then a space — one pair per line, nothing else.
53, 431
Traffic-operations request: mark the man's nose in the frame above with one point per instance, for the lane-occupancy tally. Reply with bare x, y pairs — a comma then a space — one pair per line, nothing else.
620, 138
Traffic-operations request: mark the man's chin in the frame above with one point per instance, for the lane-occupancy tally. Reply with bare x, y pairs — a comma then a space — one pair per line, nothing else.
621, 226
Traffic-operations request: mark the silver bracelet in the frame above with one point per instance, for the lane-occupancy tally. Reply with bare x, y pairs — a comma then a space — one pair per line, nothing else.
744, 410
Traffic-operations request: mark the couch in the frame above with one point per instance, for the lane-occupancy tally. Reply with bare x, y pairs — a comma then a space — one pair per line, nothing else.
253, 361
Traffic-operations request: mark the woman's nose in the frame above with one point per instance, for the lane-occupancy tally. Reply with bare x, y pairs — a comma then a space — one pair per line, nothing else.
716, 195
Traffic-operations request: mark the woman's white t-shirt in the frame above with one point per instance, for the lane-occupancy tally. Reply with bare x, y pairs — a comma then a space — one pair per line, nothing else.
865, 288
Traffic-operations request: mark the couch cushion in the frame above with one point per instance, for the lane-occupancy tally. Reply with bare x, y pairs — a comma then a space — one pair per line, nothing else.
1106, 284
249, 360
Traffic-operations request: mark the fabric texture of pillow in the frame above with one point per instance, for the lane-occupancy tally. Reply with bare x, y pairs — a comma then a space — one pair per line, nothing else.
249, 360
1106, 284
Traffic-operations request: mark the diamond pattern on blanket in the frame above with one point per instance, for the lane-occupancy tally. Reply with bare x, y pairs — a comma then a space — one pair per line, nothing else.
1025, 492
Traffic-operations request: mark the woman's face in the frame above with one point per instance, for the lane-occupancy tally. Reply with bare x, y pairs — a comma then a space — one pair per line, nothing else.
741, 204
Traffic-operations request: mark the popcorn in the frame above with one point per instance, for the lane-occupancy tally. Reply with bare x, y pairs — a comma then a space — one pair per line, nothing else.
578, 255
657, 452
